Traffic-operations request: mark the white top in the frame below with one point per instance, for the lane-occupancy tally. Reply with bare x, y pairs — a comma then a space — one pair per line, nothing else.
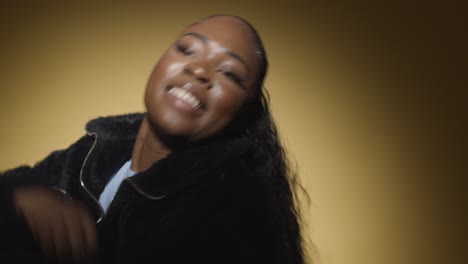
113, 185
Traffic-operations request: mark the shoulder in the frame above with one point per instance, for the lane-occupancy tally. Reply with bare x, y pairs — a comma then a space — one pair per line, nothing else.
115, 125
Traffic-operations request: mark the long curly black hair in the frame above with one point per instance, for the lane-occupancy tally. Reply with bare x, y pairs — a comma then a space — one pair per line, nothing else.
270, 161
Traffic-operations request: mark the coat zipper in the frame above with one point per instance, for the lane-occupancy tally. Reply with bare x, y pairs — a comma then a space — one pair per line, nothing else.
140, 191
132, 183
101, 211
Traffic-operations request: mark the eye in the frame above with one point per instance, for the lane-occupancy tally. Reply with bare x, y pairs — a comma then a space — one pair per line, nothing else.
234, 77
184, 49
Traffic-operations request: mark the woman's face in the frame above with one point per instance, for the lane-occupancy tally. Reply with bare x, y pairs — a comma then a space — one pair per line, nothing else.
203, 79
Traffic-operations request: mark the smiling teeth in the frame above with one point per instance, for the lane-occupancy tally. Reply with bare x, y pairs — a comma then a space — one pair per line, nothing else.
185, 96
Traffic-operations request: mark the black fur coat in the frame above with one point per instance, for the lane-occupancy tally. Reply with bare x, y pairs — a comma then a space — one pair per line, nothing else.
199, 205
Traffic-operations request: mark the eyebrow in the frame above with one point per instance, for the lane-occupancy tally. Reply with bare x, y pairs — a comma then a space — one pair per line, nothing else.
229, 52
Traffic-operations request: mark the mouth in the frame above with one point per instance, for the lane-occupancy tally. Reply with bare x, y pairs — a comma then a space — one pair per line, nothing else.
185, 98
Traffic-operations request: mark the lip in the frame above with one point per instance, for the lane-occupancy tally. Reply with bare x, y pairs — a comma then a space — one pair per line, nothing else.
180, 104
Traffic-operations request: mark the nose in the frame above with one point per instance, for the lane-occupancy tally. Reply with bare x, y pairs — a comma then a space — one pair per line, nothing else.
199, 71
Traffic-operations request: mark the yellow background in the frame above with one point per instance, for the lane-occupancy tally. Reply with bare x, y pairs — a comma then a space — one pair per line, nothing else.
368, 99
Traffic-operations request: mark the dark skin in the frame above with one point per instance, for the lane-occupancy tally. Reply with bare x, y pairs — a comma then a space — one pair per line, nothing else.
213, 60
216, 64
64, 228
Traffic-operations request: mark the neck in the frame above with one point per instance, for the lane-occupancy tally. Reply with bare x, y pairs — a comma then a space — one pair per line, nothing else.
148, 148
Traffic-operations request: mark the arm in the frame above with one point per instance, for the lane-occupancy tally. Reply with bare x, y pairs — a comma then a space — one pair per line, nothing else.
15, 236
40, 221
24, 176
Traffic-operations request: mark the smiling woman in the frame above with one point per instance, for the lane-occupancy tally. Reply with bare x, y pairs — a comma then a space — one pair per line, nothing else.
200, 176
212, 67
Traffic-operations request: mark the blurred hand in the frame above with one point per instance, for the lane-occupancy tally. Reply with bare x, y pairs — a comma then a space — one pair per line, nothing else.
64, 228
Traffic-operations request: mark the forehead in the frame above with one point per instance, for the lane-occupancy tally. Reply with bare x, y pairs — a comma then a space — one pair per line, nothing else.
222, 27
230, 33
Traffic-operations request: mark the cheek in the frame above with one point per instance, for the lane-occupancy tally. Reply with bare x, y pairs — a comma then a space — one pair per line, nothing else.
164, 69
162, 72
173, 68
228, 101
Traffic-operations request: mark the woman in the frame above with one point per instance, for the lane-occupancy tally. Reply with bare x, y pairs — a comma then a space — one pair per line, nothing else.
199, 177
